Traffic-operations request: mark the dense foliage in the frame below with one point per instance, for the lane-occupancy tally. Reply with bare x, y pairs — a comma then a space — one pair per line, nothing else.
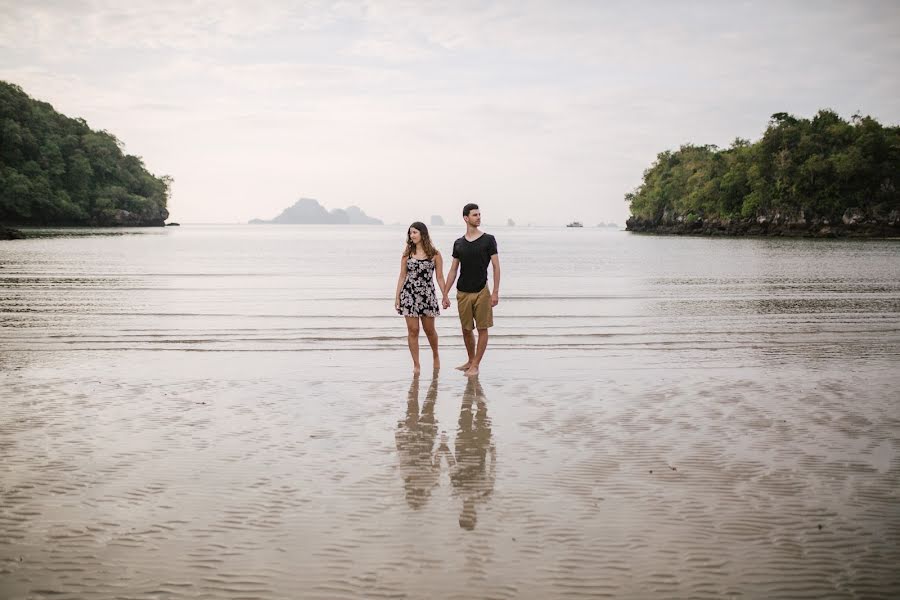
821, 166
56, 170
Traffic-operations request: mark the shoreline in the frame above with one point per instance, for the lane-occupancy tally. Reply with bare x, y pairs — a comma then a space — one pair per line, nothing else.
24, 232
853, 224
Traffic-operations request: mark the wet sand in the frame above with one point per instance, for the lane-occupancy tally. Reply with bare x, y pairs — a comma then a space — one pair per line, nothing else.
335, 474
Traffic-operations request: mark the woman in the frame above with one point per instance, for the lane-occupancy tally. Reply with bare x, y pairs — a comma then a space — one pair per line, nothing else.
415, 298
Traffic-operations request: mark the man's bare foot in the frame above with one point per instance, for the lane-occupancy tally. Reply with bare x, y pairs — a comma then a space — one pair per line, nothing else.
463, 367
471, 371
437, 364
416, 369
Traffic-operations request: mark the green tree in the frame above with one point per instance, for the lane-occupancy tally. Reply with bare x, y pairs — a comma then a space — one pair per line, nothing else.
56, 170
820, 166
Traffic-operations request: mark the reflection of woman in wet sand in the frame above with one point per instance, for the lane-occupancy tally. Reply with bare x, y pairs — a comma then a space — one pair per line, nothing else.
415, 438
473, 474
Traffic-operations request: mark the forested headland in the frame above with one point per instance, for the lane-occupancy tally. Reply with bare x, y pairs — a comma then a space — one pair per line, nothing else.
55, 170
823, 176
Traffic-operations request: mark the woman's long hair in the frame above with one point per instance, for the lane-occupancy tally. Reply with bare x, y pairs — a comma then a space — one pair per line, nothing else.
429, 248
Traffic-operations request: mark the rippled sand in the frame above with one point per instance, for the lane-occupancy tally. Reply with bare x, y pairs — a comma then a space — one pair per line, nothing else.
334, 475
227, 412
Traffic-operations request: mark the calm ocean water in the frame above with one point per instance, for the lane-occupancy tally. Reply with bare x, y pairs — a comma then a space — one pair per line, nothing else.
307, 288
229, 412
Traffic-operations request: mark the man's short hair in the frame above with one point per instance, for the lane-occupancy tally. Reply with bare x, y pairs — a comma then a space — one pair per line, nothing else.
469, 208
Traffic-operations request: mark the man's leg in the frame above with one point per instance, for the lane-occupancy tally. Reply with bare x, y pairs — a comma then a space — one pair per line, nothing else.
469, 339
479, 352
466, 312
484, 318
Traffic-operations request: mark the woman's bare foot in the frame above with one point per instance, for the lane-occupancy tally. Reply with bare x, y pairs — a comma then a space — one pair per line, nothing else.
472, 371
463, 367
416, 369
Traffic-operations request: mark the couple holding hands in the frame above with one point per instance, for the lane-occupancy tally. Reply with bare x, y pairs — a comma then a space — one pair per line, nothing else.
416, 299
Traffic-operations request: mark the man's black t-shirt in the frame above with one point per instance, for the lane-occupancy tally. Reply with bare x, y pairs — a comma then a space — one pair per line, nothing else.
474, 258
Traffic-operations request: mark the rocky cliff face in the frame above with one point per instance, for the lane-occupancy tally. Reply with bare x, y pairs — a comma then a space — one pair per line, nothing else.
855, 222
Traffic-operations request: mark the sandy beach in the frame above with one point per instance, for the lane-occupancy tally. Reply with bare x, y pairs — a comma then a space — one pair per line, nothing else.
223, 224
337, 479
204, 413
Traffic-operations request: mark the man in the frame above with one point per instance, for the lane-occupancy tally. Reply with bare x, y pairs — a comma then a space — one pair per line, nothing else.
474, 301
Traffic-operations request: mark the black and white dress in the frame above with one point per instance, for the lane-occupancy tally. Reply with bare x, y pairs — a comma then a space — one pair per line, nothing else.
417, 297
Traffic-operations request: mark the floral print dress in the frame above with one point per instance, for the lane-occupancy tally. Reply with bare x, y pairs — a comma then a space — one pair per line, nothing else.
417, 297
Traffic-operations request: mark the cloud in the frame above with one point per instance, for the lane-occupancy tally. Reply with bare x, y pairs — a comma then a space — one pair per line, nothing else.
382, 104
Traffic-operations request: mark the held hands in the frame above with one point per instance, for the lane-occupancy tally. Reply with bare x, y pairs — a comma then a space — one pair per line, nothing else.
445, 302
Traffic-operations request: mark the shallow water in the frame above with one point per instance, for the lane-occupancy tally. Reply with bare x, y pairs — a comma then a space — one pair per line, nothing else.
228, 412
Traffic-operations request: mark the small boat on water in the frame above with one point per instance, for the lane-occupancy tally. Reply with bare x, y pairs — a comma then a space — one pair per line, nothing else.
575, 224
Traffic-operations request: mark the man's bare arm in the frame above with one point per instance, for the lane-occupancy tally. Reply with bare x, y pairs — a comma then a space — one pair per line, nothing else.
451, 276
451, 279
495, 267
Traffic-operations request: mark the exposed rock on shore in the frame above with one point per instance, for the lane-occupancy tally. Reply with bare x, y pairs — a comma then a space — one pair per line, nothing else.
10, 234
123, 218
855, 222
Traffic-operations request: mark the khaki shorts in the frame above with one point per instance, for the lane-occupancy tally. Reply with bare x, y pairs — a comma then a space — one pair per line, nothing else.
475, 309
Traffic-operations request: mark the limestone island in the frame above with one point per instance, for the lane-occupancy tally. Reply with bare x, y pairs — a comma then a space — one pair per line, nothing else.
57, 171
819, 177
307, 211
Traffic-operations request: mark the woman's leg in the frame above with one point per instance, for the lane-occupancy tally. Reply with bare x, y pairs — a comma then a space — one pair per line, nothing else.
412, 337
432, 335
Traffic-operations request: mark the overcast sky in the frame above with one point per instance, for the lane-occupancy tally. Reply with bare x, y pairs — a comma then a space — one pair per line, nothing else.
542, 112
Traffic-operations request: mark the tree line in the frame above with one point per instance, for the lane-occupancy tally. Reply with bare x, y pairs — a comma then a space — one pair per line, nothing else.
821, 166
55, 170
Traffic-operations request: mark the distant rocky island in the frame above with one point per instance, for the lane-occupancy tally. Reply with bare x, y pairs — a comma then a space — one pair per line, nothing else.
307, 211
819, 177
57, 171
437, 220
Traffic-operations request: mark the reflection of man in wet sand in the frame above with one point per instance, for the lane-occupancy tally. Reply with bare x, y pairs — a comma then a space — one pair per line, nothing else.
415, 439
473, 474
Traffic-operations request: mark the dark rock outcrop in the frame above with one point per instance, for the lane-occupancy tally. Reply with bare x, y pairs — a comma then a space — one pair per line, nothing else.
855, 222
122, 218
10, 234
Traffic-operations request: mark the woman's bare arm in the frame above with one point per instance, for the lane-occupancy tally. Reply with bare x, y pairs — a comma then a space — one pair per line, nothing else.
439, 271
